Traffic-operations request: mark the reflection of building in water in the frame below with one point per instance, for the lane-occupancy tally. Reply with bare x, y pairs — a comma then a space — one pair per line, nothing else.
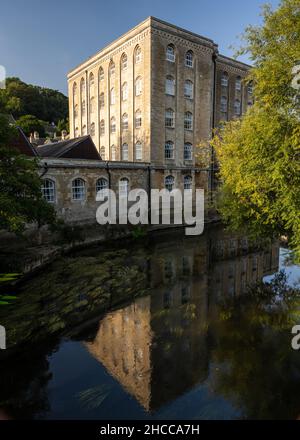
157, 347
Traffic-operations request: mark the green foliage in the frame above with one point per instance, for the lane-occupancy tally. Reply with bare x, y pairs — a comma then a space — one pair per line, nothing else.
19, 99
259, 156
30, 124
63, 124
21, 200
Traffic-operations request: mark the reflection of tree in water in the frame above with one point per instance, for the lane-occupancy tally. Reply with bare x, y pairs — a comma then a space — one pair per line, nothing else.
71, 290
259, 371
23, 383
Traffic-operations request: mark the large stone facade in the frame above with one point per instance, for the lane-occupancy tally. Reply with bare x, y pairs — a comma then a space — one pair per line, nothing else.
156, 88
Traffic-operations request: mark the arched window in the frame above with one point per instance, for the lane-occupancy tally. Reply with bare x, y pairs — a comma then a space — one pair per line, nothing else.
188, 121
91, 84
112, 69
112, 124
84, 131
48, 190
125, 121
169, 150
101, 100
250, 88
74, 89
187, 182
102, 153
92, 129
170, 53
170, 86
188, 151
101, 184
76, 132
102, 127
124, 91
125, 152
224, 104
237, 107
170, 118
124, 61
112, 96
113, 152
188, 89
138, 119
137, 55
78, 189
92, 104
83, 107
123, 186
82, 88
189, 59
224, 79
169, 183
138, 151
238, 84
76, 111
138, 86
101, 74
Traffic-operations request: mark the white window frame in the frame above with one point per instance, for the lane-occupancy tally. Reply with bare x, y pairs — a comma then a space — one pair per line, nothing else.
125, 122
101, 184
189, 59
189, 89
188, 151
138, 151
170, 54
138, 55
125, 152
102, 127
170, 86
49, 190
188, 121
169, 118
169, 150
78, 190
138, 86
169, 183
113, 125
138, 119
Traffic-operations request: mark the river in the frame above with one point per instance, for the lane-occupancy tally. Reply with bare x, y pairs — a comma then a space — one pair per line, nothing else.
162, 327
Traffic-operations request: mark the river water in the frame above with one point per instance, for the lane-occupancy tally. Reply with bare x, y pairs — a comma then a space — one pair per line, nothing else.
163, 327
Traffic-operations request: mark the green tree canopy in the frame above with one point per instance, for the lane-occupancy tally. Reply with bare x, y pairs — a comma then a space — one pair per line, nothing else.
30, 124
21, 200
259, 156
19, 99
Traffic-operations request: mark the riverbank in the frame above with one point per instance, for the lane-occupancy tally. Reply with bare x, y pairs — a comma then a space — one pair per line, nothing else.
36, 249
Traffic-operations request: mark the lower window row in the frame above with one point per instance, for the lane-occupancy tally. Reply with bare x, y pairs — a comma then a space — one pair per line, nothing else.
79, 187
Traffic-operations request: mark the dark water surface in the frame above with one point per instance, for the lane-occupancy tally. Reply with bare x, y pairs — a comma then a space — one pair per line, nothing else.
161, 329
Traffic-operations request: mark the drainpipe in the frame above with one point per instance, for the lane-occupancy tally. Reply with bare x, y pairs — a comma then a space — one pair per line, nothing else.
212, 162
45, 170
149, 193
109, 175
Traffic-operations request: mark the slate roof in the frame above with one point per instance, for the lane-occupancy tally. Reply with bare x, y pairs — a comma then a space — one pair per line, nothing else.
79, 148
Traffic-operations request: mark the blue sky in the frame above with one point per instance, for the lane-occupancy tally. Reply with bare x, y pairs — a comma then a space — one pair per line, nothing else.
40, 41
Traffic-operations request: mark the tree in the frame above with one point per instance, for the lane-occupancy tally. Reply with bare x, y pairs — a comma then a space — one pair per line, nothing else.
63, 124
259, 155
30, 124
21, 199
19, 99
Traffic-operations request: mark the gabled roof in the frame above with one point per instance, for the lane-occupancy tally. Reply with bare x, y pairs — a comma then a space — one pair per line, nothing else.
79, 148
22, 144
